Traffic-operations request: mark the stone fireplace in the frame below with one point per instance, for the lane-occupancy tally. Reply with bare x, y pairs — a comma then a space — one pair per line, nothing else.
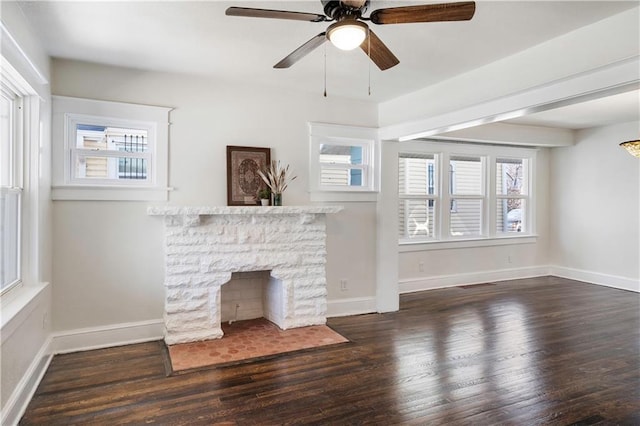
205, 245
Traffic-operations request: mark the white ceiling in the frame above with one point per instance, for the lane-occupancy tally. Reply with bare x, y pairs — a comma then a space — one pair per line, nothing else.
197, 38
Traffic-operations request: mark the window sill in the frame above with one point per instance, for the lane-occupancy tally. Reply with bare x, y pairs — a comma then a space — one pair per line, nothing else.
343, 196
458, 244
108, 193
17, 304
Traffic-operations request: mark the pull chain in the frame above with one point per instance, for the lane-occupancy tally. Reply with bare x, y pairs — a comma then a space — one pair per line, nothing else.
369, 49
325, 70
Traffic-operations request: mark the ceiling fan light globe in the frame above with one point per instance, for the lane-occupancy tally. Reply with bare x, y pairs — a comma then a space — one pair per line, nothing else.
347, 35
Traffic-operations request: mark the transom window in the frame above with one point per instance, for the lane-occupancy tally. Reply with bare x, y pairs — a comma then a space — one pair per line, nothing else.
455, 192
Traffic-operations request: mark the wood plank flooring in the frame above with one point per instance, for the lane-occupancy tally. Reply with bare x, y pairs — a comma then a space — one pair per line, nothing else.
523, 352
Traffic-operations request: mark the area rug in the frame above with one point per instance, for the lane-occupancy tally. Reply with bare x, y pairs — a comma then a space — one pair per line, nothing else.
249, 340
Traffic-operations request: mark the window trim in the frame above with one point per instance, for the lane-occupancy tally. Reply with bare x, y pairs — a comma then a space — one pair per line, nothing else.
489, 155
333, 134
155, 119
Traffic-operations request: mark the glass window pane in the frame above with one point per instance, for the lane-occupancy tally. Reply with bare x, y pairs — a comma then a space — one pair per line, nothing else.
416, 218
416, 175
9, 237
103, 138
511, 177
466, 220
333, 176
6, 107
465, 175
113, 168
509, 215
340, 154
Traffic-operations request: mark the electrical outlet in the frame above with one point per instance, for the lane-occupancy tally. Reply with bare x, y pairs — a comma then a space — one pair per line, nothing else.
343, 285
421, 266
509, 259
44, 321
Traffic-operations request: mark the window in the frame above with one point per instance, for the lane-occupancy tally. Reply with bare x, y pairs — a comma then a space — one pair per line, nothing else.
417, 195
10, 188
466, 188
342, 159
110, 154
511, 194
486, 191
109, 151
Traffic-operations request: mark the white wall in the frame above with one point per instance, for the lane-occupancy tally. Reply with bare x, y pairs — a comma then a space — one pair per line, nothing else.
594, 214
108, 256
26, 311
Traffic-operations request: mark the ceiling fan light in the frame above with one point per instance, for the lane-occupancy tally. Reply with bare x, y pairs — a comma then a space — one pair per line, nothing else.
348, 34
632, 147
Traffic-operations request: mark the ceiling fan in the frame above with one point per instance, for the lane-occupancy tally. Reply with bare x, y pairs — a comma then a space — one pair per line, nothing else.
349, 30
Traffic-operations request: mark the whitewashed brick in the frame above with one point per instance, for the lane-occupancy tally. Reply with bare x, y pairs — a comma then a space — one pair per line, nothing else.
204, 245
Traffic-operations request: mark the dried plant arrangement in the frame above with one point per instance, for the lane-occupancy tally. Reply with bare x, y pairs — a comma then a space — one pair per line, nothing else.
276, 177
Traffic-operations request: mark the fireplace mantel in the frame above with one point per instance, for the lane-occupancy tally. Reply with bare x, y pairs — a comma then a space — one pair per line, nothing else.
191, 216
205, 245
250, 210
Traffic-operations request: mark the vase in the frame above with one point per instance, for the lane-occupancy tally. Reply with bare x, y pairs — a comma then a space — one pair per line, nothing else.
264, 201
277, 199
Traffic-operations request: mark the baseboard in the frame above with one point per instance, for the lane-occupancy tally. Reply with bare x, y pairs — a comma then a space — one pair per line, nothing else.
19, 399
606, 280
352, 306
443, 281
103, 337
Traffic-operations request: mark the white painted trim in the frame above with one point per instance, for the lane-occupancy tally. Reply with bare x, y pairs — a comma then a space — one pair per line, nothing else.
352, 306
343, 197
443, 281
506, 240
16, 307
19, 53
85, 339
22, 394
591, 277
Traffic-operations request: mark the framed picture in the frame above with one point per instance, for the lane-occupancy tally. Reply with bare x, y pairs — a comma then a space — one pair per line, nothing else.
243, 180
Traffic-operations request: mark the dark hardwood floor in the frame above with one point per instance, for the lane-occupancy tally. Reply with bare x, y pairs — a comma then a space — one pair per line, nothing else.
524, 352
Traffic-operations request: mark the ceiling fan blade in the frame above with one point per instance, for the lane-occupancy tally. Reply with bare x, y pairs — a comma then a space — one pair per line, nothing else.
302, 51
274, 14
380, 53
462, 11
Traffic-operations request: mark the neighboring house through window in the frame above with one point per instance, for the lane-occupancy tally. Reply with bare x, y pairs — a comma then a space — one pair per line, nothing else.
487, 191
